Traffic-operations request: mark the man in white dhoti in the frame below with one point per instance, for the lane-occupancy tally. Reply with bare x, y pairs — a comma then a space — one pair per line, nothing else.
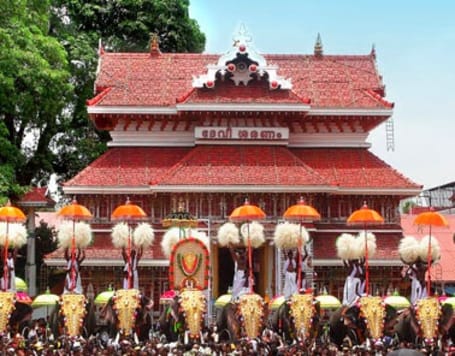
131, 275
352, 285
416, 273
73, 281
9, 271
290, 272
239, 283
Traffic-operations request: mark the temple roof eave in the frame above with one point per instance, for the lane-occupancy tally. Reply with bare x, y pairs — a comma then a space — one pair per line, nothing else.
115, 262
149, 262
241, 189
97, 189
237, 107
335, 262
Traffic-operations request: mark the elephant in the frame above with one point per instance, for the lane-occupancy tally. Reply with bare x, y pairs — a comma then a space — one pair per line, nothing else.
244, 317
184, 316
297, 310
132, 321
20, 318
426, 323
348, 325
87, 313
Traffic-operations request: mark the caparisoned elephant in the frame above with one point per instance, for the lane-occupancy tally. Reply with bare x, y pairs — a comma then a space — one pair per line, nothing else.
244, 317
426, 323
184, 316
297, 318
127, 313
349, 325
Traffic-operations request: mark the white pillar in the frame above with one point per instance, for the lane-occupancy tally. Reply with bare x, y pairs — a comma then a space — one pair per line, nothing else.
30, 267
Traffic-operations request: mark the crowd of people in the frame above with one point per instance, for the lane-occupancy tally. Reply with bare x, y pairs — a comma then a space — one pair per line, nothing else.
40, 341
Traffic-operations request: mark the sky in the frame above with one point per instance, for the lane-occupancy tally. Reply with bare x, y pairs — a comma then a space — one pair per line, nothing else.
415, 48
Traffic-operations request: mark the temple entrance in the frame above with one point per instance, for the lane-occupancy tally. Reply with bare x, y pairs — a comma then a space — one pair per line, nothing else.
225, 270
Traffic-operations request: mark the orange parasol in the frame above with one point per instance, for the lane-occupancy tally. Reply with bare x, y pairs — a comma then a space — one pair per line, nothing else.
365, 216
128, 212
8, 214
246, 213
74, 212
430, 218
301, 212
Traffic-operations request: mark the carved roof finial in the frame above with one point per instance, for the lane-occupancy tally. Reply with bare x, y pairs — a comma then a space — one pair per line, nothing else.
318, 49
100, 47
154, 44
373, 51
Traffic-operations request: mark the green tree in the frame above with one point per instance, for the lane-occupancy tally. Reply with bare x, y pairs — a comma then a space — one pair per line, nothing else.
123, 25
34, 84
48, 59
10, 157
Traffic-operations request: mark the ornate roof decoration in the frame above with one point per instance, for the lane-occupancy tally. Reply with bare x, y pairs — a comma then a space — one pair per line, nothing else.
318, 48
154, 44
242, 63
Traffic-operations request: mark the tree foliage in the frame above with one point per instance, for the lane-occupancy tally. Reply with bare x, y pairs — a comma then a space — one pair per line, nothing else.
48, 59
122, 25
33, 88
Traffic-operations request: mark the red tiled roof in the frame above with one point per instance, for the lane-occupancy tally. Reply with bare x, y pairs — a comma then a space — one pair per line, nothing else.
352, 167
257, 92
241, 165
129, 166
444, 235
37, 196
139, 79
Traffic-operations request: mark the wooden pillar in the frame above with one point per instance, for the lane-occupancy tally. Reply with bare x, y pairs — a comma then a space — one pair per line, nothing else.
214, 270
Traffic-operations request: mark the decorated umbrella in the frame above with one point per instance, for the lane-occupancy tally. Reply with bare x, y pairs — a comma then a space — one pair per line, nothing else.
168, 296
397, 301
247, 213
222, 300
128, 213
365, 216
430, 218
21, 286
449, 300
104, 297
301, 212
23, 297
9, 214
327, 301
74, 212
180, 218
47, 299
276, 302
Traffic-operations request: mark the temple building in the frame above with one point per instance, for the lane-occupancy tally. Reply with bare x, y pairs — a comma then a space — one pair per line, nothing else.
210, 130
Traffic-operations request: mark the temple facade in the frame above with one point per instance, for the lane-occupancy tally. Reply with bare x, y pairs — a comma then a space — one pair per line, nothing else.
210, 130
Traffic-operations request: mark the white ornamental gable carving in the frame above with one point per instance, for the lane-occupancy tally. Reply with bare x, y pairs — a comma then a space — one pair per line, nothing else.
241, 64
